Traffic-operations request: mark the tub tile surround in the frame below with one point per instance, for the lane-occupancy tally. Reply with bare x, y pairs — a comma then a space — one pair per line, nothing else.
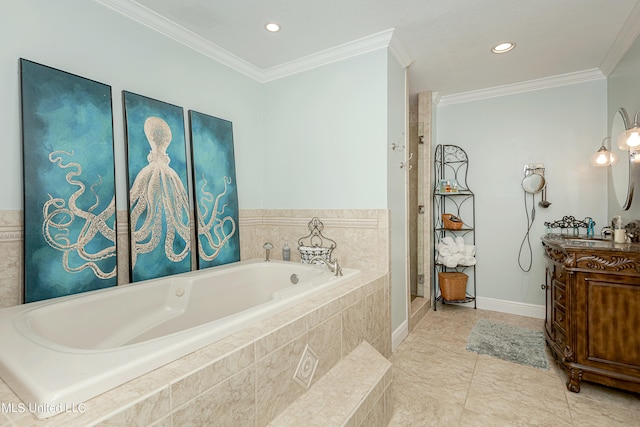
362, 237
420, 138
217, 384
361, 399
245, 378
10, 258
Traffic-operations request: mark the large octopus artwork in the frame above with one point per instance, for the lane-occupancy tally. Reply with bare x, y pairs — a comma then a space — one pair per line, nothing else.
156, 192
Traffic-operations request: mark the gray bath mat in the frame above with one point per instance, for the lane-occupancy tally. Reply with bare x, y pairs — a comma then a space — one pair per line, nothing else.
508, 342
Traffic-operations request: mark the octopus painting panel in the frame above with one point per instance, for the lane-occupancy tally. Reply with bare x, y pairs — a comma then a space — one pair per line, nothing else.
159, 213
215, 190
69, 183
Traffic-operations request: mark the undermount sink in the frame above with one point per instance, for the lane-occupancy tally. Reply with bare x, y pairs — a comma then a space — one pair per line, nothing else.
586, 239
580, 240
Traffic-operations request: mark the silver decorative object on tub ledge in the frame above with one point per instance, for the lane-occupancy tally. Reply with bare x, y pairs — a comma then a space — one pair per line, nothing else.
315, 244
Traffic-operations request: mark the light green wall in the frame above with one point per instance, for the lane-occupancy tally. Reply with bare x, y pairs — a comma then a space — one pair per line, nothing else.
560, 127
324, 133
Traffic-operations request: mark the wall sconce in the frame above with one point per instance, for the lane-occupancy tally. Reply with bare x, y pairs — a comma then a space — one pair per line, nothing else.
604, 156
629, 140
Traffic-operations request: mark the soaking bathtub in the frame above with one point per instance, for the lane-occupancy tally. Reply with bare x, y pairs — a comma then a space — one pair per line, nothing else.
56, 354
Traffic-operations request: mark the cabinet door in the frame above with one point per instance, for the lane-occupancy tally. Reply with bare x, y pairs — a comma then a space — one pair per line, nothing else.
607, 313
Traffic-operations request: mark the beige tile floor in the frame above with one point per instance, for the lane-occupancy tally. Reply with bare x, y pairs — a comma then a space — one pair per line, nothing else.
437, 382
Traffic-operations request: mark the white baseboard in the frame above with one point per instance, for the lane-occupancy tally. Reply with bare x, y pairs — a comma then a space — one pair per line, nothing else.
399, 334
511, 307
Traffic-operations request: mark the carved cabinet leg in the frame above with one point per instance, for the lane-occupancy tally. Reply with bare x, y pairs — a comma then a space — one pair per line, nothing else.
573, 380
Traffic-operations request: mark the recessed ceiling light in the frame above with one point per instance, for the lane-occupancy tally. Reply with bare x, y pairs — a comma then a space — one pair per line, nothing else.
272, 27
503, 47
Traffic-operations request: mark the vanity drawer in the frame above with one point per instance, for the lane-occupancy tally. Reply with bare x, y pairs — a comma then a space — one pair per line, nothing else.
559, 275
560, 318
559, 294
560, 339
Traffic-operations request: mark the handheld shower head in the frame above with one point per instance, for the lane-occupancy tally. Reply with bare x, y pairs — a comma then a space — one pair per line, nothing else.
544, 203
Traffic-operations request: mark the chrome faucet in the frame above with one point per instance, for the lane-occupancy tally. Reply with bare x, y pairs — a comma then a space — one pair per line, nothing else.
267, 247
332, 264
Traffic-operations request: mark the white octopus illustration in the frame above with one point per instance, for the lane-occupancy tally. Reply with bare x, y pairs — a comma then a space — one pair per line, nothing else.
59, 215
158, 192
211, 225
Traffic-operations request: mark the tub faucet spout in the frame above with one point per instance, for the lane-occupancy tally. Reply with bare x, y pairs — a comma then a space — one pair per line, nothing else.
267, 247
332, 264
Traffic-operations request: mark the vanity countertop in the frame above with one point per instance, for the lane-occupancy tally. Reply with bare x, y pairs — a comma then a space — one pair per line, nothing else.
577, 242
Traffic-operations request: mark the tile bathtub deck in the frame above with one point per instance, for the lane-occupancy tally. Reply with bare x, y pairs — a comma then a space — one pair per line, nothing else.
437, 382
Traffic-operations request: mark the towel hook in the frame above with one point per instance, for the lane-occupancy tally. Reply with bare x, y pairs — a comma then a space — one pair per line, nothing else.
398, 146
406, 164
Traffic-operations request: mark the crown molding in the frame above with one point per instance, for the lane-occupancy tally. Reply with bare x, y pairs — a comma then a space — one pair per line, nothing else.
627, 35
399, 50
159, 23
344, 51
435, 98
526, 86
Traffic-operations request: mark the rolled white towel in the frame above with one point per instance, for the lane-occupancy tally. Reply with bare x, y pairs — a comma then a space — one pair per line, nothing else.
467, 260
445, 250
448, 246
452, 261
460, 243
448, 240
449, 261
469, 250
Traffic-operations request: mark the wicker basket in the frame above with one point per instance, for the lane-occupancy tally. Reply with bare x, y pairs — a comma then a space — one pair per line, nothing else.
453, 286
451, 222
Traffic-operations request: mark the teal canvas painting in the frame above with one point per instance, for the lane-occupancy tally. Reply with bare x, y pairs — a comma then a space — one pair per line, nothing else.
69, 183
215, 190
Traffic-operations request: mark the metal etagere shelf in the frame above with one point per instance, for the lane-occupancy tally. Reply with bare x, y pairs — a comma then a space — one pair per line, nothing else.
451, 195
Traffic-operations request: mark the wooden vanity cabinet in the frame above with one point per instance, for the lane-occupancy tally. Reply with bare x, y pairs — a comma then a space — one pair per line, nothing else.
592, 323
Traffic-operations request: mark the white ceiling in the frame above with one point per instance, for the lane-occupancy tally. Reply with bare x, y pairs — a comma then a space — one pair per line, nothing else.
448, 42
